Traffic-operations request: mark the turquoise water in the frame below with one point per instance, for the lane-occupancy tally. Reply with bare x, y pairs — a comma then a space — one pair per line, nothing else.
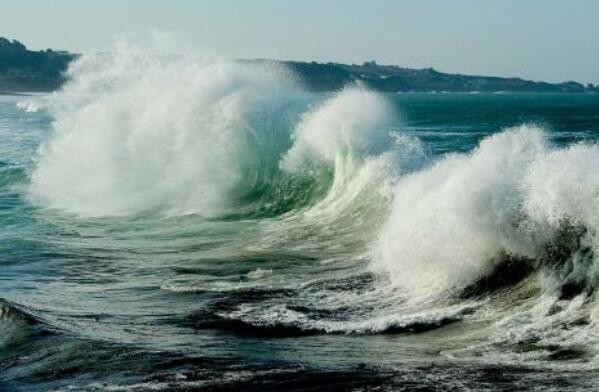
234, 232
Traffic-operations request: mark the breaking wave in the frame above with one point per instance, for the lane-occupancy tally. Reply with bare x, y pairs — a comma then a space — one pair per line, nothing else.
444, 238
515, 196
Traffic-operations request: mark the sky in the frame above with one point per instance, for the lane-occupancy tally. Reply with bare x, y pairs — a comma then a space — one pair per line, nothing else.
551, 40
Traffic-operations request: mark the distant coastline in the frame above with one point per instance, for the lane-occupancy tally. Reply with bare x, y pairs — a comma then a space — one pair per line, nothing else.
391, 78
23, 70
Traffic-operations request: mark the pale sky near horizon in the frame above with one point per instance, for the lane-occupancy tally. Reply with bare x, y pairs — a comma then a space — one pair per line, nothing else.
552, 40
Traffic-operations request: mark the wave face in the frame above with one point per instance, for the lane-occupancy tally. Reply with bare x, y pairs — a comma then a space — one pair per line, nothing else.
214, 209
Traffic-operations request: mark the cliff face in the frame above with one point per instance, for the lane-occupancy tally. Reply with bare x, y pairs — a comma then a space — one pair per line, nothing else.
26, 70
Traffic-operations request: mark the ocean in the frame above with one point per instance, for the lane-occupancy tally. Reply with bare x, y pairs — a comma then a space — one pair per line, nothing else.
184, 224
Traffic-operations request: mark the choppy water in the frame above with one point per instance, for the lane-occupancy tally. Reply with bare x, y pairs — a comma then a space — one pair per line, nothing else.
198, 225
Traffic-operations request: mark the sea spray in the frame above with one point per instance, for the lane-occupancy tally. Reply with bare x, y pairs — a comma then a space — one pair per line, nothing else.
515, 196
133, 133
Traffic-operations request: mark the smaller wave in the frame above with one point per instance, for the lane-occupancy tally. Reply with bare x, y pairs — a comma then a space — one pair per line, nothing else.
10, 311
32, 105
283, 321
259, 273
348, 124
16, 325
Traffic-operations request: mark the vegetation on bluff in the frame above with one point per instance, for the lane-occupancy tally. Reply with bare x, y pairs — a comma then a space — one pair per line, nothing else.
26, 70
391, 78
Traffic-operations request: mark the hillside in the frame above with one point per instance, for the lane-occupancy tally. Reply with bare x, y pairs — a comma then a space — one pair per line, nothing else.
25, 70
390, 78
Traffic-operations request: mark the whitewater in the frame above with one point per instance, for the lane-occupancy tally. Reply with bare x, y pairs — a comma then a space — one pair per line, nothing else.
179, 222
